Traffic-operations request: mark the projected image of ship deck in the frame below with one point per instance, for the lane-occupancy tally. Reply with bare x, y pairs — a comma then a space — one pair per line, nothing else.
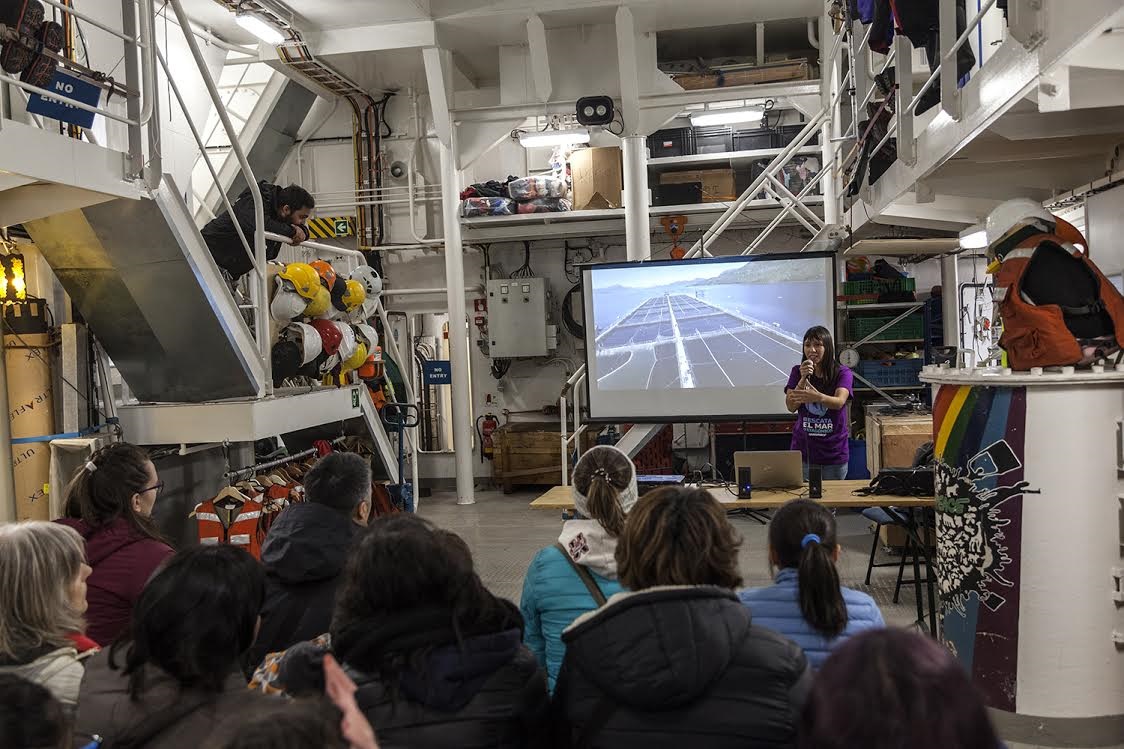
698, 338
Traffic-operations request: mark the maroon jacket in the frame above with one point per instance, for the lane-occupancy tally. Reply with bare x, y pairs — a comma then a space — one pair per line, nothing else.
123, 559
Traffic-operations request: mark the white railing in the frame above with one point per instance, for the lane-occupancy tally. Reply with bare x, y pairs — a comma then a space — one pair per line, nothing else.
139, 89
577, 379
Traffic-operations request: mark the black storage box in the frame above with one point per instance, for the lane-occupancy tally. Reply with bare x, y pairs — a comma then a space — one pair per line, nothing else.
785, 134
682, 193
677, 141
752, 140
717, 139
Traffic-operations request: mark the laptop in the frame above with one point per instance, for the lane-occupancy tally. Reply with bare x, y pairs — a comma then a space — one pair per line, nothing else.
772, 469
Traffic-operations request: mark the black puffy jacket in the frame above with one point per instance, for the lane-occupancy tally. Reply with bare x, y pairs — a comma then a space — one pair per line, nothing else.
304, 556
424, 685
677, 667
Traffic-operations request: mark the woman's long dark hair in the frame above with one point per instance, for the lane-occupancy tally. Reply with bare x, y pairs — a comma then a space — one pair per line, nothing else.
829, 365
924, 696
106, 493
194, 620
821, 600
406, 585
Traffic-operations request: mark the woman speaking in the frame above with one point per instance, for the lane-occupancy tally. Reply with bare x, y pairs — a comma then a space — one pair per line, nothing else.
817, 392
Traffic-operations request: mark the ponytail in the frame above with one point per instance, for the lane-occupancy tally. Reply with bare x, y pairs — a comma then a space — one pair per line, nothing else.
102, 488
603, 504
802, 535
821, 600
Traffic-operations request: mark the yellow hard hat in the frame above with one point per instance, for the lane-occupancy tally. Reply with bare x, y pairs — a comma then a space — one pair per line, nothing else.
319, 303
356, 360
354, 296
304, 277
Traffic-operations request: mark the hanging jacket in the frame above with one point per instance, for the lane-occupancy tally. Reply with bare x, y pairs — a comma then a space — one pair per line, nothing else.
185, 719
222, 238
553, 597
677, 666
1058, 309
304, 555
237, 527
59, 670
777, 607
122, 559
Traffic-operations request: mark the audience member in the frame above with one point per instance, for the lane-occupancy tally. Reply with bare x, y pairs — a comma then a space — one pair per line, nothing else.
437, 659
175, 674
290, 724
579, 573
109, 502
924, 698
806, 603
42, 598
677, 662
305, 553
30, 718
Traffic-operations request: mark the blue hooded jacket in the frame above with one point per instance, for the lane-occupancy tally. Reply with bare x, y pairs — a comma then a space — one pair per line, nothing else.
777, 607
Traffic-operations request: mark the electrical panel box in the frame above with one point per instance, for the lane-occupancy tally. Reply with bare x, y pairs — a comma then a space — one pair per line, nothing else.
517, 318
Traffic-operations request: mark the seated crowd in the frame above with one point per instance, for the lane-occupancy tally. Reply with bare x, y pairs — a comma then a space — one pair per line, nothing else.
360, 632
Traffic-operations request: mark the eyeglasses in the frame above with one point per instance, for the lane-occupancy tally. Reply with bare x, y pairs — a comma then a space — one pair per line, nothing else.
158, 487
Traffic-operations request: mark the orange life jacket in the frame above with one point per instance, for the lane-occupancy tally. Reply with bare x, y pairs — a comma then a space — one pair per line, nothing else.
1035, 332
237, 527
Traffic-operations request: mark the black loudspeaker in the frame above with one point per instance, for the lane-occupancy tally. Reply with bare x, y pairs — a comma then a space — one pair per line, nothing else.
815, 482
745, 483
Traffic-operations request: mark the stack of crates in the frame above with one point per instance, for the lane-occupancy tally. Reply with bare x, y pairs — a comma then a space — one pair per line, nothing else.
909, 328
891, 372
878, 286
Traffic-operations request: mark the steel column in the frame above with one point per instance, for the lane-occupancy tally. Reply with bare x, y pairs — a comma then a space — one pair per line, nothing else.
950, 298
637, 230
458, 333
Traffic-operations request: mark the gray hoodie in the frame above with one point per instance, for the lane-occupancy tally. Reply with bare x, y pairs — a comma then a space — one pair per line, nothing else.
59, 671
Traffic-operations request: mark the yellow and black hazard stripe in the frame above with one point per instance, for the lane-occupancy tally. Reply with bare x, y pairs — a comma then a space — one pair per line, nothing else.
330, 227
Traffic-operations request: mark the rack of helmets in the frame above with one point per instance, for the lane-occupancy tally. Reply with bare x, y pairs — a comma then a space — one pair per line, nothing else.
326, 331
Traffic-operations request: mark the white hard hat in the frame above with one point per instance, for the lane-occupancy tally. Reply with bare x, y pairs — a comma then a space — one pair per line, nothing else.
368, 334
311, 343
369, 277
287, 304
1015, 214
349, 342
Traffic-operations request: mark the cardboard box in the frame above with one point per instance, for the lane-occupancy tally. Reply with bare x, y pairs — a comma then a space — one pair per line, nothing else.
894, 537
892, 441
598, 178
717, 184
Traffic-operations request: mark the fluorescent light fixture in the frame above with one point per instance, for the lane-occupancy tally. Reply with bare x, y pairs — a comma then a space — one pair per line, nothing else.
726, 117
973, 238
541, 138
267, 32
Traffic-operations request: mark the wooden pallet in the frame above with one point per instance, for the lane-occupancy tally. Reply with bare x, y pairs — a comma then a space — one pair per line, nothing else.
529, 454
776, 73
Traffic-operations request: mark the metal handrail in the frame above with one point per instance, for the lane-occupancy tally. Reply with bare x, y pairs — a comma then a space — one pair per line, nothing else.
356, 254
259, 289
95, 22
203, 150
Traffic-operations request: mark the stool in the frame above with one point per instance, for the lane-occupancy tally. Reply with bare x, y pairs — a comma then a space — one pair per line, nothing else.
890, 516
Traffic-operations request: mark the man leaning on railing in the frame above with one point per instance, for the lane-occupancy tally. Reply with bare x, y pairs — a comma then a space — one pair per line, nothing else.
286, 210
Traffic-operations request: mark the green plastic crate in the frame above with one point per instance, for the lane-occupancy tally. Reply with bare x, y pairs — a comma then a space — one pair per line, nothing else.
909, 327
877, 286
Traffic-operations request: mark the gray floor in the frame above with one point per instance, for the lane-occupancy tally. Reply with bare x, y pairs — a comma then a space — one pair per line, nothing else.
504, 534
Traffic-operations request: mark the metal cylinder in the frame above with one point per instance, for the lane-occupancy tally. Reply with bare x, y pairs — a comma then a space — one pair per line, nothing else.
637, 230
1029, 543
463, 428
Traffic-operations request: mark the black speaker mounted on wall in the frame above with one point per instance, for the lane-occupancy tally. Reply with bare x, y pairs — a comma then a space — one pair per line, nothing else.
595, 110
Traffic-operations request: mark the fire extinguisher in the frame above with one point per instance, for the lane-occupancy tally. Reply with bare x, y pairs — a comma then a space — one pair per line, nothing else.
487, 446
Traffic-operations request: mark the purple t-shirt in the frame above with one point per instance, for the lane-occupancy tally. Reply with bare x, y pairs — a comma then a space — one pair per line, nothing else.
821, 434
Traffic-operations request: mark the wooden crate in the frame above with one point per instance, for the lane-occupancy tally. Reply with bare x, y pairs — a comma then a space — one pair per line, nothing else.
892, 440
530, 454
776, 73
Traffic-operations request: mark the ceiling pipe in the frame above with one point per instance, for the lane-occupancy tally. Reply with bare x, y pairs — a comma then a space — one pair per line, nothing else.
812, 34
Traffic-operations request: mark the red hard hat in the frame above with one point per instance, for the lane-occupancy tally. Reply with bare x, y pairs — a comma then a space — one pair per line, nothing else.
329, 334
